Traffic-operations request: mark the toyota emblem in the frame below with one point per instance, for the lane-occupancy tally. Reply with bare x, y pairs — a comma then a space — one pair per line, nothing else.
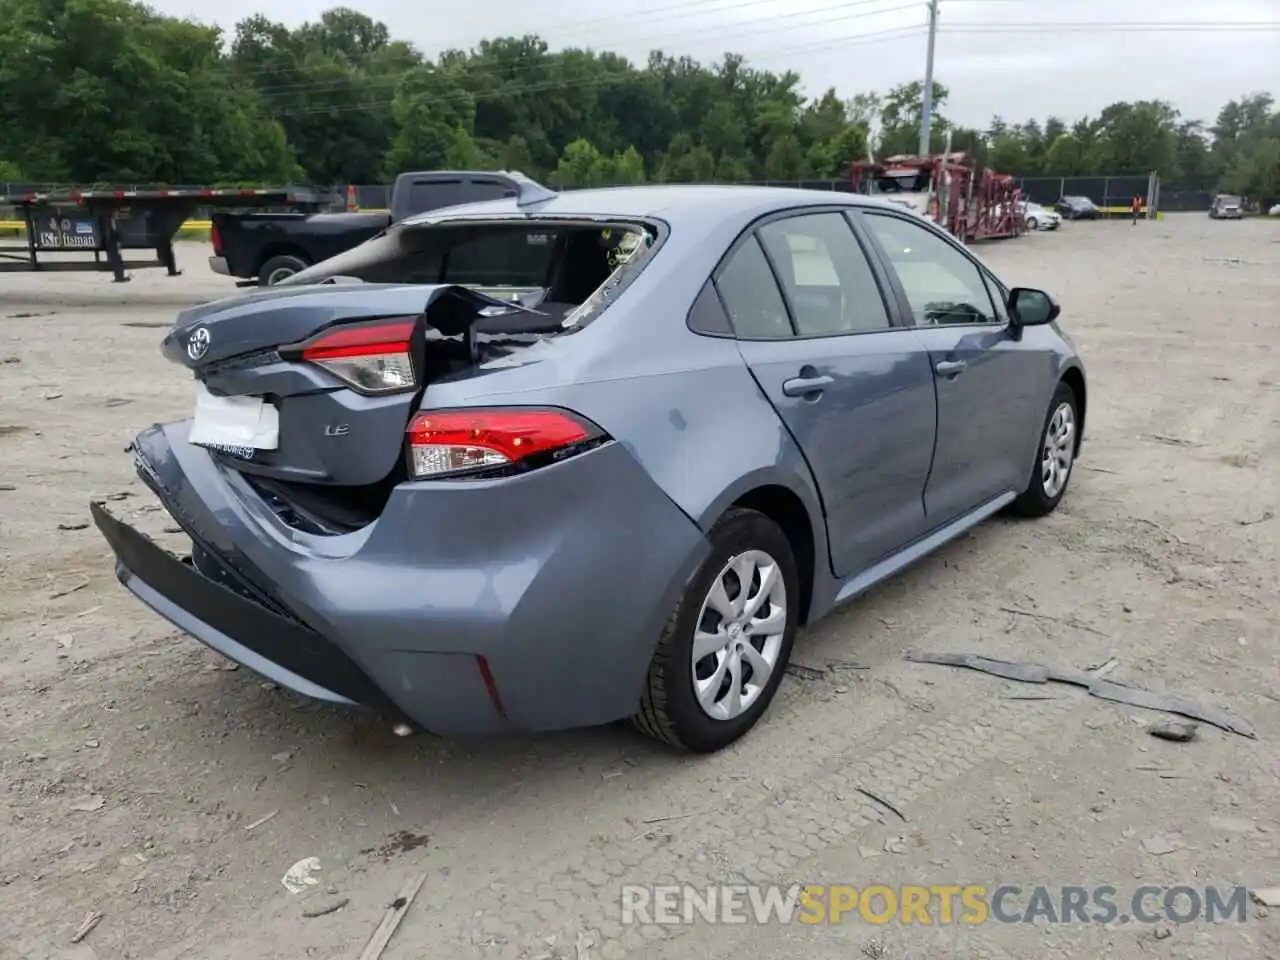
198, 343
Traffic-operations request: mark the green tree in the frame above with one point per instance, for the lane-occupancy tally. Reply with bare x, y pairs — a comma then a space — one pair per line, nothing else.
581, 165
785, 160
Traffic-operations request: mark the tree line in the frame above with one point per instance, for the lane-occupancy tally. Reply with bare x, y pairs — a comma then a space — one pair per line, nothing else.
108, 91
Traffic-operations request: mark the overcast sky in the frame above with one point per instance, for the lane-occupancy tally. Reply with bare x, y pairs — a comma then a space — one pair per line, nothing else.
861, 45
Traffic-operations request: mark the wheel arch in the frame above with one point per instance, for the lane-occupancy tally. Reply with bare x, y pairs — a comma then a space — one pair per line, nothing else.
280, 248
797, 512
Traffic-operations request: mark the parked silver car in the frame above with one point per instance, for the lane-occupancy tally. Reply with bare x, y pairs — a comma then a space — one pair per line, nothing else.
1227, 207
558, 460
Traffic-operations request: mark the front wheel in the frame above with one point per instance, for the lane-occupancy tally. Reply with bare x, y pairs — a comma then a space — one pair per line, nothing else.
1057, 454
722, 654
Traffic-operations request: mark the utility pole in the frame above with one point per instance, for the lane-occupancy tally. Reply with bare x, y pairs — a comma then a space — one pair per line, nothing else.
926, 99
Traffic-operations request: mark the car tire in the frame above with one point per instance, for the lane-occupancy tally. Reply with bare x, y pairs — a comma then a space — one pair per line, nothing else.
670, 708
280, 268
1059, 441
1033, 223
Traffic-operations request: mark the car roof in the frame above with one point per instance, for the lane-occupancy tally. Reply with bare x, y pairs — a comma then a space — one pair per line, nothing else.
670, 202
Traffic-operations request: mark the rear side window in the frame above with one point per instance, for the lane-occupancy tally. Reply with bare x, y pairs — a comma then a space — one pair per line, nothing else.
825, 275
751, 295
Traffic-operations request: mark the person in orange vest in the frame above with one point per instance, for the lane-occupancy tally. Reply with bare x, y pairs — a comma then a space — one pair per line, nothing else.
1136, 208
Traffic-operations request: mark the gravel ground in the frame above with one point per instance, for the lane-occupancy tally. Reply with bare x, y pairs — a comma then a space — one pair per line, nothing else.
146, 780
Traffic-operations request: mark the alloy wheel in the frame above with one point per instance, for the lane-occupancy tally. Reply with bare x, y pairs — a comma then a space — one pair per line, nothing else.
1059, 450
738, 636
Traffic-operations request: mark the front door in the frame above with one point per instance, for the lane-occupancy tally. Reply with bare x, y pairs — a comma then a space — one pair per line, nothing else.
855, 392
983, 375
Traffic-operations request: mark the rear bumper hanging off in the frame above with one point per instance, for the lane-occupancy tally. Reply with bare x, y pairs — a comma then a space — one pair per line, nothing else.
238, 627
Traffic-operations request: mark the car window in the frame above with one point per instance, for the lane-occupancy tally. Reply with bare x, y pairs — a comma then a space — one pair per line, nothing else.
942, 285
825, 275
751, 295
999, 296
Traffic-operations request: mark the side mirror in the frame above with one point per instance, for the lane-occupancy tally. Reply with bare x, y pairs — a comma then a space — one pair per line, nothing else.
1032, 308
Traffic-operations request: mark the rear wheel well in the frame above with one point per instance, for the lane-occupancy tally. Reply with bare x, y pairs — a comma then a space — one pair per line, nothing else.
1075, 380
787, 510
280, 250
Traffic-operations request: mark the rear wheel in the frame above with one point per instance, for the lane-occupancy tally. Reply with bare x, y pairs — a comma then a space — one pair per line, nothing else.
1033, 223
280, 268
722, 654
1057, 454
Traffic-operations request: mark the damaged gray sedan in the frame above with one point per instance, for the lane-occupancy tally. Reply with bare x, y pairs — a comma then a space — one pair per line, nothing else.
558, 460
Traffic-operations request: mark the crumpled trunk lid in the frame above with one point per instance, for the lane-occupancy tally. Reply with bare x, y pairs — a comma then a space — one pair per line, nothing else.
329, 434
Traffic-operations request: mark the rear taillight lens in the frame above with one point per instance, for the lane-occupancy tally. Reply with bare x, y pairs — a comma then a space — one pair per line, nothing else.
216, 238
371, 357
446, 443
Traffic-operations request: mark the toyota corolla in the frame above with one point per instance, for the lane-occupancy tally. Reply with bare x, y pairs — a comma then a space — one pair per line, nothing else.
562, 459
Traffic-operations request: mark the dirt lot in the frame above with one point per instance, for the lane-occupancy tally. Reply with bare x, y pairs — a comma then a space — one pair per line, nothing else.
139, 770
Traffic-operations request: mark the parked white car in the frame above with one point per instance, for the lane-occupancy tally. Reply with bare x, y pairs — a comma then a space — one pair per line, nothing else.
1037, 217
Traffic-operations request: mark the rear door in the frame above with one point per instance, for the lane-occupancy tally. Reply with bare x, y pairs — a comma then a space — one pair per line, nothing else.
984, 375
856, 393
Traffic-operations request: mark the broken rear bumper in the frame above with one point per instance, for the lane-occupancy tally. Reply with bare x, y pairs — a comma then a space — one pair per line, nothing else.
469, 608
221, 616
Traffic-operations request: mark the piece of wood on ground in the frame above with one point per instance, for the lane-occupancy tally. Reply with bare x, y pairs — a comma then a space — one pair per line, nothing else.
91, 920
391, 919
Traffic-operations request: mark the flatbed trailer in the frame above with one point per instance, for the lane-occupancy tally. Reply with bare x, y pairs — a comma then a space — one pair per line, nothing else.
106, 223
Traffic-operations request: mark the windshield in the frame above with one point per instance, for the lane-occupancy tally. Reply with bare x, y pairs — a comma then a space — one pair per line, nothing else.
1228, 199
566, 268
908, 181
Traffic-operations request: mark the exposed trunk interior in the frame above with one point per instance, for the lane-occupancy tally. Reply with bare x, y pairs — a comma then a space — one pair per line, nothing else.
479, 291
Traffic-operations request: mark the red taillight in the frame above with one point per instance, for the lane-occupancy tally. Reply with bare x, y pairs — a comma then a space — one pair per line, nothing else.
446, 442
372, 357
216, 238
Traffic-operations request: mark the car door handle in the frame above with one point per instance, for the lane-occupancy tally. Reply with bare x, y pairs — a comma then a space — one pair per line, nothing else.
950, 368
800, 386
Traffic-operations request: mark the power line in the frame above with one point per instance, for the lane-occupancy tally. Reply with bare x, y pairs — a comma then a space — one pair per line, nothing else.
762, 25
1111, 26
677, 11
885, 36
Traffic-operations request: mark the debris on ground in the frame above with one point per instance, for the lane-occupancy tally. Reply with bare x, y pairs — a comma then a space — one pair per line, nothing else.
324, 909
1066, 621
884, 803
1110, 690
67, 591
73, 526
1178, 731
896, 844
91, 920
1266, 515
802, 671
1267, 896
302, 875
391, 919
89, 803
260, 821
1159, 845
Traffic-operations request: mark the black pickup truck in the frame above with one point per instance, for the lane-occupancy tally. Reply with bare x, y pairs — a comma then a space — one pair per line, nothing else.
265, 248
